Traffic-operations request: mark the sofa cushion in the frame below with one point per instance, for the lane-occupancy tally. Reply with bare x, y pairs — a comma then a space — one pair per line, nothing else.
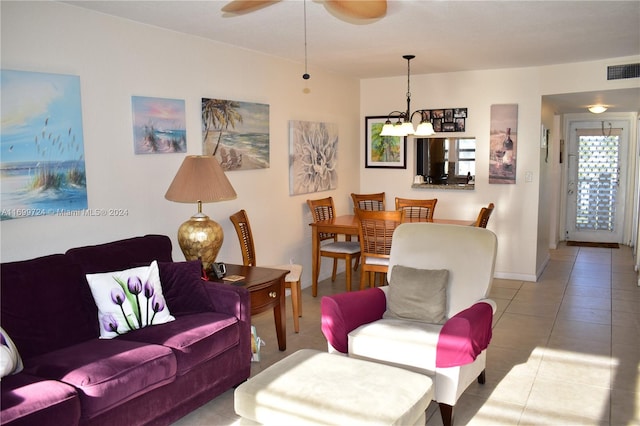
107, 373
10, 360
183, 287
418, 294
43, 305
194, 339
128, 300
122, 254
28, 400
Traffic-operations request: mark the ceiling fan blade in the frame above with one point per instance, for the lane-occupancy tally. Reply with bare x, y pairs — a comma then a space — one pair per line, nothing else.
359, 9
240, 7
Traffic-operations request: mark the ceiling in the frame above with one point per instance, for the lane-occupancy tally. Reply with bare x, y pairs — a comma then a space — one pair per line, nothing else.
445, 36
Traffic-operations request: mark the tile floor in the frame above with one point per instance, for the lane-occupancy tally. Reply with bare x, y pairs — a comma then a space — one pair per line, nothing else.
565, 350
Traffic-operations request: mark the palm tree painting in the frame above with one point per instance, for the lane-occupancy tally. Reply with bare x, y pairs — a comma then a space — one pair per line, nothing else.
313, 157
236, 133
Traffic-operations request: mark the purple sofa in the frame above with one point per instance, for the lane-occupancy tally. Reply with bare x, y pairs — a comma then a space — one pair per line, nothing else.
153, 375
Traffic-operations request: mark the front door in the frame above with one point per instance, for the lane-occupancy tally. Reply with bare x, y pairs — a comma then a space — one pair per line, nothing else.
596, 184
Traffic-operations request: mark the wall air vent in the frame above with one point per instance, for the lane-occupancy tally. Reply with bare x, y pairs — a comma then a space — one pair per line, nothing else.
617, 72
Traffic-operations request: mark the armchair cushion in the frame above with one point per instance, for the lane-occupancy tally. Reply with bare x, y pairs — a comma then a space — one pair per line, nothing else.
418, 294
464, 336
402, 343
344, 312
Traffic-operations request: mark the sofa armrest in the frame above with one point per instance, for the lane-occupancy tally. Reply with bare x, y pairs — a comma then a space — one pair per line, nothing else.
341, 313
229, 299
464, 336
232, 300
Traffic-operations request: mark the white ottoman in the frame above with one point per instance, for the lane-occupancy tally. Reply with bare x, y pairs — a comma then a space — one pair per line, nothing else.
312, 387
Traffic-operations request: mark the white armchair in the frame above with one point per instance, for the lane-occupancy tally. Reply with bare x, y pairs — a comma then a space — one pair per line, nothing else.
453, 354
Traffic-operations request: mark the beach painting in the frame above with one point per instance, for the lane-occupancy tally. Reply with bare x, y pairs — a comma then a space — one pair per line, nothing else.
42, 167
158, 125
313, 157
236, 133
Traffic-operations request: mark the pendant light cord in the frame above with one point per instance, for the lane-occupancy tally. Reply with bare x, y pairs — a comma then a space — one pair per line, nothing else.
306, 75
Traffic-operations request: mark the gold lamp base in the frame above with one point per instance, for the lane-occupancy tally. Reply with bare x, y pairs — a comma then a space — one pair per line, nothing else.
200, 238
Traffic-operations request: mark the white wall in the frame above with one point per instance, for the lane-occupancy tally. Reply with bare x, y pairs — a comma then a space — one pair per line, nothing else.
515, 218
116, 59
522, 218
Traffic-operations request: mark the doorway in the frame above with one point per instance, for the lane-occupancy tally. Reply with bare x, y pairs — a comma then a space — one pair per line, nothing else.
597, 167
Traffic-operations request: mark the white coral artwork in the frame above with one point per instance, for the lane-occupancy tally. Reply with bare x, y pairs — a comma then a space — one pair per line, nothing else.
313, 157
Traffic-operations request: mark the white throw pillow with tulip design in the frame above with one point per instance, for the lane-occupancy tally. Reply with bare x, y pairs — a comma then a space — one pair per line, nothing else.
128, 300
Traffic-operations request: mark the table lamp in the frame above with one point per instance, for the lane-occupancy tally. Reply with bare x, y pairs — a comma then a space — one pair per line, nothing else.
200, 179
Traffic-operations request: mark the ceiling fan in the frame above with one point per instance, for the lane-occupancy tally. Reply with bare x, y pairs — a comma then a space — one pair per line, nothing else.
354, 9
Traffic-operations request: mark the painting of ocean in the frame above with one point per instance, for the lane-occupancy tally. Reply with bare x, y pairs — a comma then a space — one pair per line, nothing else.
158, 125
42, 168
236, 133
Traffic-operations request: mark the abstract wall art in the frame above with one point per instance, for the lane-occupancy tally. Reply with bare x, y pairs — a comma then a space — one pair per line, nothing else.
313, 157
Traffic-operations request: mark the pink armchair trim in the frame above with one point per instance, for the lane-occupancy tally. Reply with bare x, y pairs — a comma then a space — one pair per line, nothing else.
464, 336
344, 312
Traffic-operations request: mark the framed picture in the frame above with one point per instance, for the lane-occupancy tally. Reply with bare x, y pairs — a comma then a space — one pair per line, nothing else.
503, 144
313, 157
42, 167
158, 125
448, 127
236, 133
447, 120
460, 113
383, 151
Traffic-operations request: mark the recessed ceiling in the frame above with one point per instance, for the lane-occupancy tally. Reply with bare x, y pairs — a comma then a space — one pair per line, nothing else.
445, 36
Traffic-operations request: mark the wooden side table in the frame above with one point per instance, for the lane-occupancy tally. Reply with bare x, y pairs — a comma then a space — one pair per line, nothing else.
266, 290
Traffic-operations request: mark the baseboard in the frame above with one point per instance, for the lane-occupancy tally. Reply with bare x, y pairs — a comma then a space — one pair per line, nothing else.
516, 277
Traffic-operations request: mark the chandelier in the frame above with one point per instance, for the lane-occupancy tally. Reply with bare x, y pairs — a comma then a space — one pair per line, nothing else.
404, 124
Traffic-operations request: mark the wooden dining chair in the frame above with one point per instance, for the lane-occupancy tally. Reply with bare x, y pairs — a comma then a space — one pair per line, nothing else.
368, 201
483, 216
376, 231
416, 210
330, 245
240, 222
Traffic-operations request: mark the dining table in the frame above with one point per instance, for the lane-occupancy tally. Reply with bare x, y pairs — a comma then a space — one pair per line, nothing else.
349, 225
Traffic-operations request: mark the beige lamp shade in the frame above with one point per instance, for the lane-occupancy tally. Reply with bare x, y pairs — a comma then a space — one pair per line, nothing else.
200, 179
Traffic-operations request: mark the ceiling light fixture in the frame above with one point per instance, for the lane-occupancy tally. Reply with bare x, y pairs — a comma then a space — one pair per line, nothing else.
597, 109
404, 125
